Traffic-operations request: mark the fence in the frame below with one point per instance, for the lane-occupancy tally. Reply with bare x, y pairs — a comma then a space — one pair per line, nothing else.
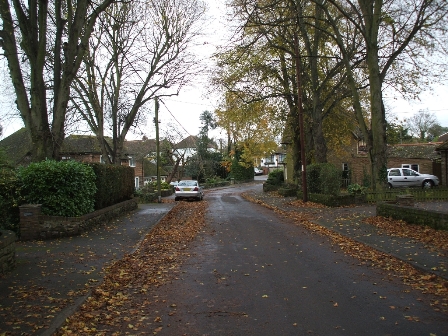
419, 194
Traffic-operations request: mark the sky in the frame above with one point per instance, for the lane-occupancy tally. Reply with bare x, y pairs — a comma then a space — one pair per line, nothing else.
183, 111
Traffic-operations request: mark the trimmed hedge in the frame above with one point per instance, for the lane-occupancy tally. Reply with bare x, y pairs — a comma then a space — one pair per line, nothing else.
9, 200
323, 178
332, 200
64, 188
287, 192
114, 184
240, 172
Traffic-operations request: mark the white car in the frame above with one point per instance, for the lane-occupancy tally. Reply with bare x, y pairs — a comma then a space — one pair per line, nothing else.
188, 189
258, 172
405, 177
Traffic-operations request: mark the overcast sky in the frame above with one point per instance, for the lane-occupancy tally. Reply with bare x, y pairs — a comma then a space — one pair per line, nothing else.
183, 111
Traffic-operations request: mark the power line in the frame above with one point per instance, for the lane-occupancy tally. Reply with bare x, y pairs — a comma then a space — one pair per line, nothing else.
174, 117
423, 110
184, 102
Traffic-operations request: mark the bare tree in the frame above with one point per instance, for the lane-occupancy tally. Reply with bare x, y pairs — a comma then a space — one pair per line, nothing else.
140, 50
46, 40
421, 123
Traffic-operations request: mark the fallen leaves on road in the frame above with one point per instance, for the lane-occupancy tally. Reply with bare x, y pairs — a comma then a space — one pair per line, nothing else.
112, 307
410, 276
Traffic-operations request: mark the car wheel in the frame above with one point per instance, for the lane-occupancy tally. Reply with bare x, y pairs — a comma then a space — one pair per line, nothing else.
389, 186
428, 184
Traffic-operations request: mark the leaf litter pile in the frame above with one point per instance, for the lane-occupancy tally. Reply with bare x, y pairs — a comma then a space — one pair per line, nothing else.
121, 304
437, 240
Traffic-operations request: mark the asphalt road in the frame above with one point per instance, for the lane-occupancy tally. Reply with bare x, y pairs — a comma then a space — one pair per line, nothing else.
251, 273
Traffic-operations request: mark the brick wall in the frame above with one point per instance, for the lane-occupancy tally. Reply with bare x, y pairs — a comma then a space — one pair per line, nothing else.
7, 251
435, 219
36, 226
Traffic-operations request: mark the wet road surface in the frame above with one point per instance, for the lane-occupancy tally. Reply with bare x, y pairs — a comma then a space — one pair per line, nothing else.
251, 273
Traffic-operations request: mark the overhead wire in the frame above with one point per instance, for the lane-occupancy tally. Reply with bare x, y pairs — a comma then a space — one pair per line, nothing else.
172, 115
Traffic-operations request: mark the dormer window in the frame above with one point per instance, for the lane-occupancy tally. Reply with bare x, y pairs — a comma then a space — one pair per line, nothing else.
131, 161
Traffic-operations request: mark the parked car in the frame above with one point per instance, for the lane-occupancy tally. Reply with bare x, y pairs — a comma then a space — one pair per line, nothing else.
405, 177
258, 171
188, 189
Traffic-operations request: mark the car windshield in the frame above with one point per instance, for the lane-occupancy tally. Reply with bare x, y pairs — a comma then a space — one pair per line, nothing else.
188, 183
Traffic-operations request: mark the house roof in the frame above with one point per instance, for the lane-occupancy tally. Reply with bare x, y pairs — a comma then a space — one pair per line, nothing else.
17, 147
443, 137
140, 148
191, 142
188, 142
414, 150
81, 144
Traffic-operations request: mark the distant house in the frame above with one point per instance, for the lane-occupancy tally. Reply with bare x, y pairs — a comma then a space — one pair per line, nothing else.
82, 148
355, 164
275, 160
422, 157
186, 149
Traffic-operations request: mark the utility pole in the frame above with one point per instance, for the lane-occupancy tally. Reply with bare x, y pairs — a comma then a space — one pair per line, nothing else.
156, 122
300, 110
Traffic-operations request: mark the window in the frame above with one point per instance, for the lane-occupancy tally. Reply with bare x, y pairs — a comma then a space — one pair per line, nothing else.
413, 166
395, 172
131, 162
137, 183
345, 173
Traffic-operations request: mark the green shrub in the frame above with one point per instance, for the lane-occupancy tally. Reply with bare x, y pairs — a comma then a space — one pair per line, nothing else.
287, 192
313, 178
9, 200
240, 172
276, 177
147, 194
330, 178
331, 200
323, 178
64, 188
356, 189
114, 184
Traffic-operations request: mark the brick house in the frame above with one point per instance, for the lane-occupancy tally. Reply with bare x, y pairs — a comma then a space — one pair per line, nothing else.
443, 149
353, 158
82, 148
85, 148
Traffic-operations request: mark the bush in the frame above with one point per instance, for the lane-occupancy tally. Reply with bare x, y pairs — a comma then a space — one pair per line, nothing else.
147, 194
331, 200
275, 177
9, 200
356, 189
323, 178
64, 188
240, 172
114, 184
